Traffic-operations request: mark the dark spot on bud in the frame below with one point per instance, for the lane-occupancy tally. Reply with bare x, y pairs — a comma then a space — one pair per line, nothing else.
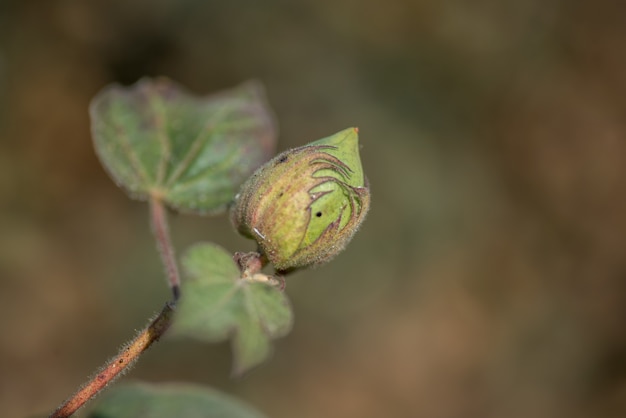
281, 194
282, 159
318, 214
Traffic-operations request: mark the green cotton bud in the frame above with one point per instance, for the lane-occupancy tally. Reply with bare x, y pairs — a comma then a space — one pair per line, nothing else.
304, 206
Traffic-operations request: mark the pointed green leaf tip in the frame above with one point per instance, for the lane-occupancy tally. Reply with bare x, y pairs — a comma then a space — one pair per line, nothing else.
218, 305
304, 206
156, 139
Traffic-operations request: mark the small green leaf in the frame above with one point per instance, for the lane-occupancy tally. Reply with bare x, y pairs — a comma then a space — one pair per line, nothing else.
154, 138
216, 305
142, 400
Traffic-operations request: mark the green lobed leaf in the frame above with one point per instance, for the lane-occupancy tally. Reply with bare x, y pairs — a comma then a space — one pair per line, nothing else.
216, 305
154, 138
142, 400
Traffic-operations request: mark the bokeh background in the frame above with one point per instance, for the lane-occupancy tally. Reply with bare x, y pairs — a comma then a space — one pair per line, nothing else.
489, 279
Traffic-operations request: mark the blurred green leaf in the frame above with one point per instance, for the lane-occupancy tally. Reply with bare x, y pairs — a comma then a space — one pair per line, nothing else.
216, 305
193, 152
142, 400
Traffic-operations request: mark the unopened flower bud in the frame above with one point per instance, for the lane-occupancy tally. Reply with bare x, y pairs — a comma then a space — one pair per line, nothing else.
305, 205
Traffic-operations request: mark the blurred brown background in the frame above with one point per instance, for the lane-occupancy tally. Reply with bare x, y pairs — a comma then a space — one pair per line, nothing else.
489, 279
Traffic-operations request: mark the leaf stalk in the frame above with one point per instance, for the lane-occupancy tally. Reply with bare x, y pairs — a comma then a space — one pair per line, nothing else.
160, 229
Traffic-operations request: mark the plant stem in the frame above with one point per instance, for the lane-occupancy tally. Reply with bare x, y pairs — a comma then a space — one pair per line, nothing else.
161, 232
118, 364
130, 353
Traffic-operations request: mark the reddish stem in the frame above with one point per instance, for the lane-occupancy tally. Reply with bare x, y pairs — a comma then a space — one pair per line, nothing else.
131, 351
118, 364
160, 229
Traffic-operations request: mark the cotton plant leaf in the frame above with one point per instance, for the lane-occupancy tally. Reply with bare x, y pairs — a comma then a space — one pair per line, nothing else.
142, 400
217, 305
156, 139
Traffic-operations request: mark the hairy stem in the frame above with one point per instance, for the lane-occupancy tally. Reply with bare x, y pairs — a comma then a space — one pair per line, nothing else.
161, 232
130, 353
119, 364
